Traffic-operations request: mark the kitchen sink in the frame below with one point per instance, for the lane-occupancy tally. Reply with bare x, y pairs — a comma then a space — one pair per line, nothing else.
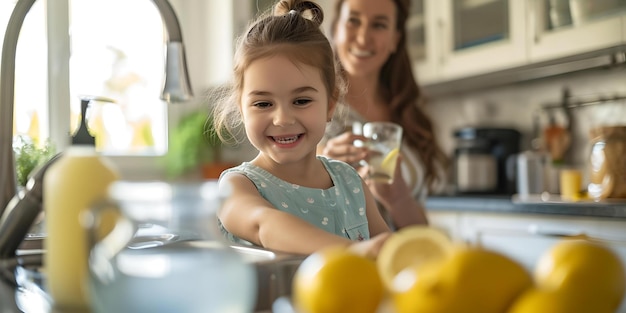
275, 270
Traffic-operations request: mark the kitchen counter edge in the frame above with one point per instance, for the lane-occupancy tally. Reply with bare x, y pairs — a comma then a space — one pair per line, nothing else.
502, 204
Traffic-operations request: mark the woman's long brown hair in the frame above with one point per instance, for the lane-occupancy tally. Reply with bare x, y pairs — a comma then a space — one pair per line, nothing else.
402, 92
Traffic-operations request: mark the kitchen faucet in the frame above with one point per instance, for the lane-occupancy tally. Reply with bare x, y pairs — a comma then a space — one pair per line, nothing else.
19, 210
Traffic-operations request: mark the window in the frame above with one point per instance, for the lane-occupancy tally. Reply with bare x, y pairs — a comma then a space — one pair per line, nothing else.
114, 54
117, 56
30, 110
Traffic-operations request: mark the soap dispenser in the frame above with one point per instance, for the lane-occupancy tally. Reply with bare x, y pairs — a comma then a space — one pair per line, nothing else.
71, 185
82, 135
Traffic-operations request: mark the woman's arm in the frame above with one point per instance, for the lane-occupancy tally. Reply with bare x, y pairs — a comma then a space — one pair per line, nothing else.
396, 198
247, 215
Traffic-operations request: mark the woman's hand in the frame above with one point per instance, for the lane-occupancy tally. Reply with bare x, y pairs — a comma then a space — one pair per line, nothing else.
396, 198
342, 148
384, 193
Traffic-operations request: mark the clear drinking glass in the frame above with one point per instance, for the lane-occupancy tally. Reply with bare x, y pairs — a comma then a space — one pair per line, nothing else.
156, 247
384, 140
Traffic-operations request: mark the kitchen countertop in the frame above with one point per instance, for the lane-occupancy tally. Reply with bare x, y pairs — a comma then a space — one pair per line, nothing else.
535, 204
614, 209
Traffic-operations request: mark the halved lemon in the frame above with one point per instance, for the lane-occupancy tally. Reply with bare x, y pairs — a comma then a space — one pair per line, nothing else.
409, 247
471, 279
389, 162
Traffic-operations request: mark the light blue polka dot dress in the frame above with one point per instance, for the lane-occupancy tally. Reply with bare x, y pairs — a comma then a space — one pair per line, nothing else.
339, 209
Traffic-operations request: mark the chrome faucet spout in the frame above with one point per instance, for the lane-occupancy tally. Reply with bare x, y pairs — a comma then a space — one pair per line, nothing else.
21, 211
176, 87
8, 180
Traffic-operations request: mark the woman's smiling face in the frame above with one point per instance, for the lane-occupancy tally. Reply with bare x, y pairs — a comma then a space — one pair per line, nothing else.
285, 107
365, 35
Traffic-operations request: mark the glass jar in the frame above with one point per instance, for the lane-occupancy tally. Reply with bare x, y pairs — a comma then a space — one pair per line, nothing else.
607, 162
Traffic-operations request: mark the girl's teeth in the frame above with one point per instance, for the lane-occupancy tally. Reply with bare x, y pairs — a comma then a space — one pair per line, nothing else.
286, 140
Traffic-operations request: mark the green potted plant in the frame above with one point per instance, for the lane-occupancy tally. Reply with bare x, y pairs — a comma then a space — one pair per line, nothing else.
194, 145
28, 156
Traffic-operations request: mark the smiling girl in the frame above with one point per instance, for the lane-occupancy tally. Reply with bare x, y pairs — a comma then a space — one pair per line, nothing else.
284, 92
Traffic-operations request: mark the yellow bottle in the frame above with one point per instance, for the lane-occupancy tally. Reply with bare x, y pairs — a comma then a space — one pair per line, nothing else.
71, 185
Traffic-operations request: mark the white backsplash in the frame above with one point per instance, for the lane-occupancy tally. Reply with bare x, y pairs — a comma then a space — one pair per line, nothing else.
514, 106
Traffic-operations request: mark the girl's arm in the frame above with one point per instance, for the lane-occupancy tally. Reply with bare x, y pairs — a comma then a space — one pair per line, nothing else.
377, 224
247, 215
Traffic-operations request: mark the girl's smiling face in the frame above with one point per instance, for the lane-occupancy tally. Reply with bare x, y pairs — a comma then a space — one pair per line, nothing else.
285, 107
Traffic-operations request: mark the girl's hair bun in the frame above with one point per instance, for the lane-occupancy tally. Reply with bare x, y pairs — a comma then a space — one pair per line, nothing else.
307, 9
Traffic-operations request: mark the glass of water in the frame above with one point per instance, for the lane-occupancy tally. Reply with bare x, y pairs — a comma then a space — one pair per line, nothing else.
384, 140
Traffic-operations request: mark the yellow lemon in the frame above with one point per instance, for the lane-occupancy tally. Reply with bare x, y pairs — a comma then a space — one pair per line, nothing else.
542, 300
411, 246
389, 162
588, 270
471, 280
337, 280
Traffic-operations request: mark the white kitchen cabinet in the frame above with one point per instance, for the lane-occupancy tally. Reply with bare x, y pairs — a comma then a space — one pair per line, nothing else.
624, 28
564, 32
448, 222
422, 39
523, 237
615, 234
535, 233
526, 237
479, 36
463, 38
467, 38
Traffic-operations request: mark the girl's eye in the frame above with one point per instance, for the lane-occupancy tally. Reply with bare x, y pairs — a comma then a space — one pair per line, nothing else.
262, 104
301, 102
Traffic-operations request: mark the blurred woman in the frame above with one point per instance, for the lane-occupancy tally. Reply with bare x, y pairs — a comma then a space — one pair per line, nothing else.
369, 37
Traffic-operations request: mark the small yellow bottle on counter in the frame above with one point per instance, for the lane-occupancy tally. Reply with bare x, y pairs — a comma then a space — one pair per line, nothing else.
71, 185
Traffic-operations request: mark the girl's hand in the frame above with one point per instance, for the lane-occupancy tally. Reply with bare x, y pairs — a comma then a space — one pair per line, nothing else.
370, 248
342, 148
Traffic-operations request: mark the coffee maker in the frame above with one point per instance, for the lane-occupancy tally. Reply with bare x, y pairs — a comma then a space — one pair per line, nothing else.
484, 160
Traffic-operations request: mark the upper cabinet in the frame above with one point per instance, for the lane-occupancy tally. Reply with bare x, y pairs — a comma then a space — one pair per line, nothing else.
570, 27
421, 29
457, 39
480, 35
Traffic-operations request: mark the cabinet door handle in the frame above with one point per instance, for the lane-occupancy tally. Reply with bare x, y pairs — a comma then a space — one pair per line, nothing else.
532, 22
441, 29
562, 235
535, 230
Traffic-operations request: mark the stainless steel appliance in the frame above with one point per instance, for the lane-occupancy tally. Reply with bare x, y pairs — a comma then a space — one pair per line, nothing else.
484, 160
